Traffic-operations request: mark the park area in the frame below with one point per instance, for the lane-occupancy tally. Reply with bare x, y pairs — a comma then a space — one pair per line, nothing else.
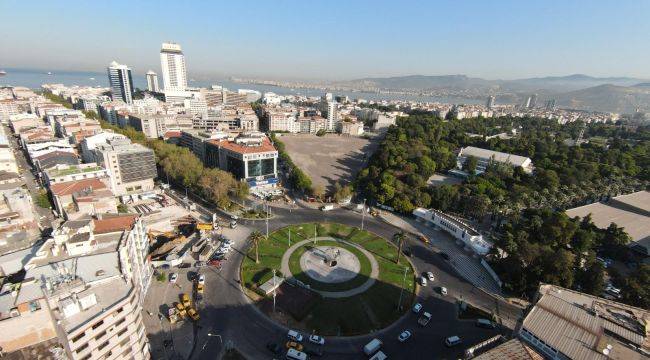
331, 158
313, 308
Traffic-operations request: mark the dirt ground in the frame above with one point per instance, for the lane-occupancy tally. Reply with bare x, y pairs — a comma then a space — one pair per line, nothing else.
330, 158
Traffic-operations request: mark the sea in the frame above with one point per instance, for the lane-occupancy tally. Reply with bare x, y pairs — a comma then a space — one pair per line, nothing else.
34, 78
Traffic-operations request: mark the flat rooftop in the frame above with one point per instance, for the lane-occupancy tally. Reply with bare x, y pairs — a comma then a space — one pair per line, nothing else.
631, 212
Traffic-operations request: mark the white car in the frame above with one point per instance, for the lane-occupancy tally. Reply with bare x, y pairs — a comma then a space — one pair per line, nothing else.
405, 335
443, 290
173, 277
430, 276
201, 279
423, 281
316, 339
417, 308
294, 335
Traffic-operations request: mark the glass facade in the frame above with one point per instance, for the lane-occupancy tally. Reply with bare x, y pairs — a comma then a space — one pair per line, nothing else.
236, 167
261, 167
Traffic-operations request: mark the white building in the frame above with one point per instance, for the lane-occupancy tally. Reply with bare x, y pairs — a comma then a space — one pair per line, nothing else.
132, 166
89, 144
485, 156
152, 81
332, 115
172, 62
119, 77
455, 227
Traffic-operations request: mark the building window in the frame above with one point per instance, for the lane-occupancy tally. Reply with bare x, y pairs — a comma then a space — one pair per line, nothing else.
101, 335
78, 337
121, 332
81, 348
103, 345
98, 324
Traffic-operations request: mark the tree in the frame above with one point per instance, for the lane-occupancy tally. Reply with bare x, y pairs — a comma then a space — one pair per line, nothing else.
399, 238
469, 166
318, 191
636, 288
592, 278
256, 237
122, 208
342, 193
321, 132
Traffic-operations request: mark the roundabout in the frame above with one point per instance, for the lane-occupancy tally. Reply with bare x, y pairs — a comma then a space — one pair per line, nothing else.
338, 281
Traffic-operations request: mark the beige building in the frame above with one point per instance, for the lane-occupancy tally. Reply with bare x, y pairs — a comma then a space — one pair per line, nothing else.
132, 166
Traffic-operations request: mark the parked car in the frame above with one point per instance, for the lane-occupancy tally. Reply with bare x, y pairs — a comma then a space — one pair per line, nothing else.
486, 324
453, 341
423, 281
443, 291
424, 319
199, 264
274, 348
184, 265
294, 335
316, 339
444, 255
193, 314
173, 277
202, 279
417, 308
429, 275
294, 345
405, 335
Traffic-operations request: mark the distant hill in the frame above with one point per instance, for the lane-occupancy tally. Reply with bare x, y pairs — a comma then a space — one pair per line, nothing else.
540, 85
608, 98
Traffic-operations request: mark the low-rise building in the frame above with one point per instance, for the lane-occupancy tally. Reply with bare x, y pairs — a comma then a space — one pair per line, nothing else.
66, 173
566, 324
72, 196
485, 156
455, 227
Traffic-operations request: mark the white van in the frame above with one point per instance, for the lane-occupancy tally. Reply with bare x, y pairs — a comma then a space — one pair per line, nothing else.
293, 354
453, 341
372, 347
379, 356
294, 335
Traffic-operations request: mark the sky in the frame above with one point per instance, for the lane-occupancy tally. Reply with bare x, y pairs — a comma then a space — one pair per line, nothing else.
333, 39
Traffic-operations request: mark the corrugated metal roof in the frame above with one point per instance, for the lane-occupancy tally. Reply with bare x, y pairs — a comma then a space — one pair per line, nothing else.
497, 155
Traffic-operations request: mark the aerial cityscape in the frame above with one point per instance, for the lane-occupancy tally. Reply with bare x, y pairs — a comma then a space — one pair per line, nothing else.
298, 180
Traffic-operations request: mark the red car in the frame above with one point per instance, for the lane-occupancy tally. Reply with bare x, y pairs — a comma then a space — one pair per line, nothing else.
216, 263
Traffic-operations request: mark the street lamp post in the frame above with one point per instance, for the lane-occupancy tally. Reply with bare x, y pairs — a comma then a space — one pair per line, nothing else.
363, 213
273, 290
399, 302
267, 219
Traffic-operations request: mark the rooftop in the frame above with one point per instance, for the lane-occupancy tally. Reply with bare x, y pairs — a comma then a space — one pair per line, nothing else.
631, 211
114, 223
516, 160
70, 187
511, 350
585, 327
266, 146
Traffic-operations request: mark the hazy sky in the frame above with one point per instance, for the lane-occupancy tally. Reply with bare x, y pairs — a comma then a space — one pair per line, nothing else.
334, 39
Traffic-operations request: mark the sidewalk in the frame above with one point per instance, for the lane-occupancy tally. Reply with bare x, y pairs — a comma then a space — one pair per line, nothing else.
464, 262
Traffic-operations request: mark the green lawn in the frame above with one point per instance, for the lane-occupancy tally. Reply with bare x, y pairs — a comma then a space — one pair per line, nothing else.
374, 309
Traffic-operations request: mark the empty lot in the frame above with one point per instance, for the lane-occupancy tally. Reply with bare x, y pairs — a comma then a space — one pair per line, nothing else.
330, 158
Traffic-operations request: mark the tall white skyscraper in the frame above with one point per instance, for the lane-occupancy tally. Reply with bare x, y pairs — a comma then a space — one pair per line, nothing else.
119, 77
172, 62
152, 81
332, 115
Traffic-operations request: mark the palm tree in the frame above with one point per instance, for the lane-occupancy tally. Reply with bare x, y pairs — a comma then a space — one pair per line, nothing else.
256, 236
399, 237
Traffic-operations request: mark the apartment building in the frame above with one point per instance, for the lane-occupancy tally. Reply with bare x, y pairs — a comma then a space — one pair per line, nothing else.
66, 173
132, 166
89, 144
154, 126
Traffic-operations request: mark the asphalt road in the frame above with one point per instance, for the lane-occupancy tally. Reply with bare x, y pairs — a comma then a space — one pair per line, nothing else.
228, 313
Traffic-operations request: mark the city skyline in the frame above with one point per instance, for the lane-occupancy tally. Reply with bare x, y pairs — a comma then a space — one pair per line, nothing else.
493, 41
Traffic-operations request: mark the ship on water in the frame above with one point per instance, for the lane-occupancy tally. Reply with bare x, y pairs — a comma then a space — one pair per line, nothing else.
3, 73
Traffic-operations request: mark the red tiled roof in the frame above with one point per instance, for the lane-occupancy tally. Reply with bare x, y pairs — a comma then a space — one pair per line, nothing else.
67, 188
110, 224
242, 149
172, 133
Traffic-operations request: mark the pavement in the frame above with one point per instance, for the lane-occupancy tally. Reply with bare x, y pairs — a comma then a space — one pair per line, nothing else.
230, 318
374, 272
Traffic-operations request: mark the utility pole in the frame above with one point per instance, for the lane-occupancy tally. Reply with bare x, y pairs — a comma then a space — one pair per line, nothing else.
399, 303
267, 219
363, 213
